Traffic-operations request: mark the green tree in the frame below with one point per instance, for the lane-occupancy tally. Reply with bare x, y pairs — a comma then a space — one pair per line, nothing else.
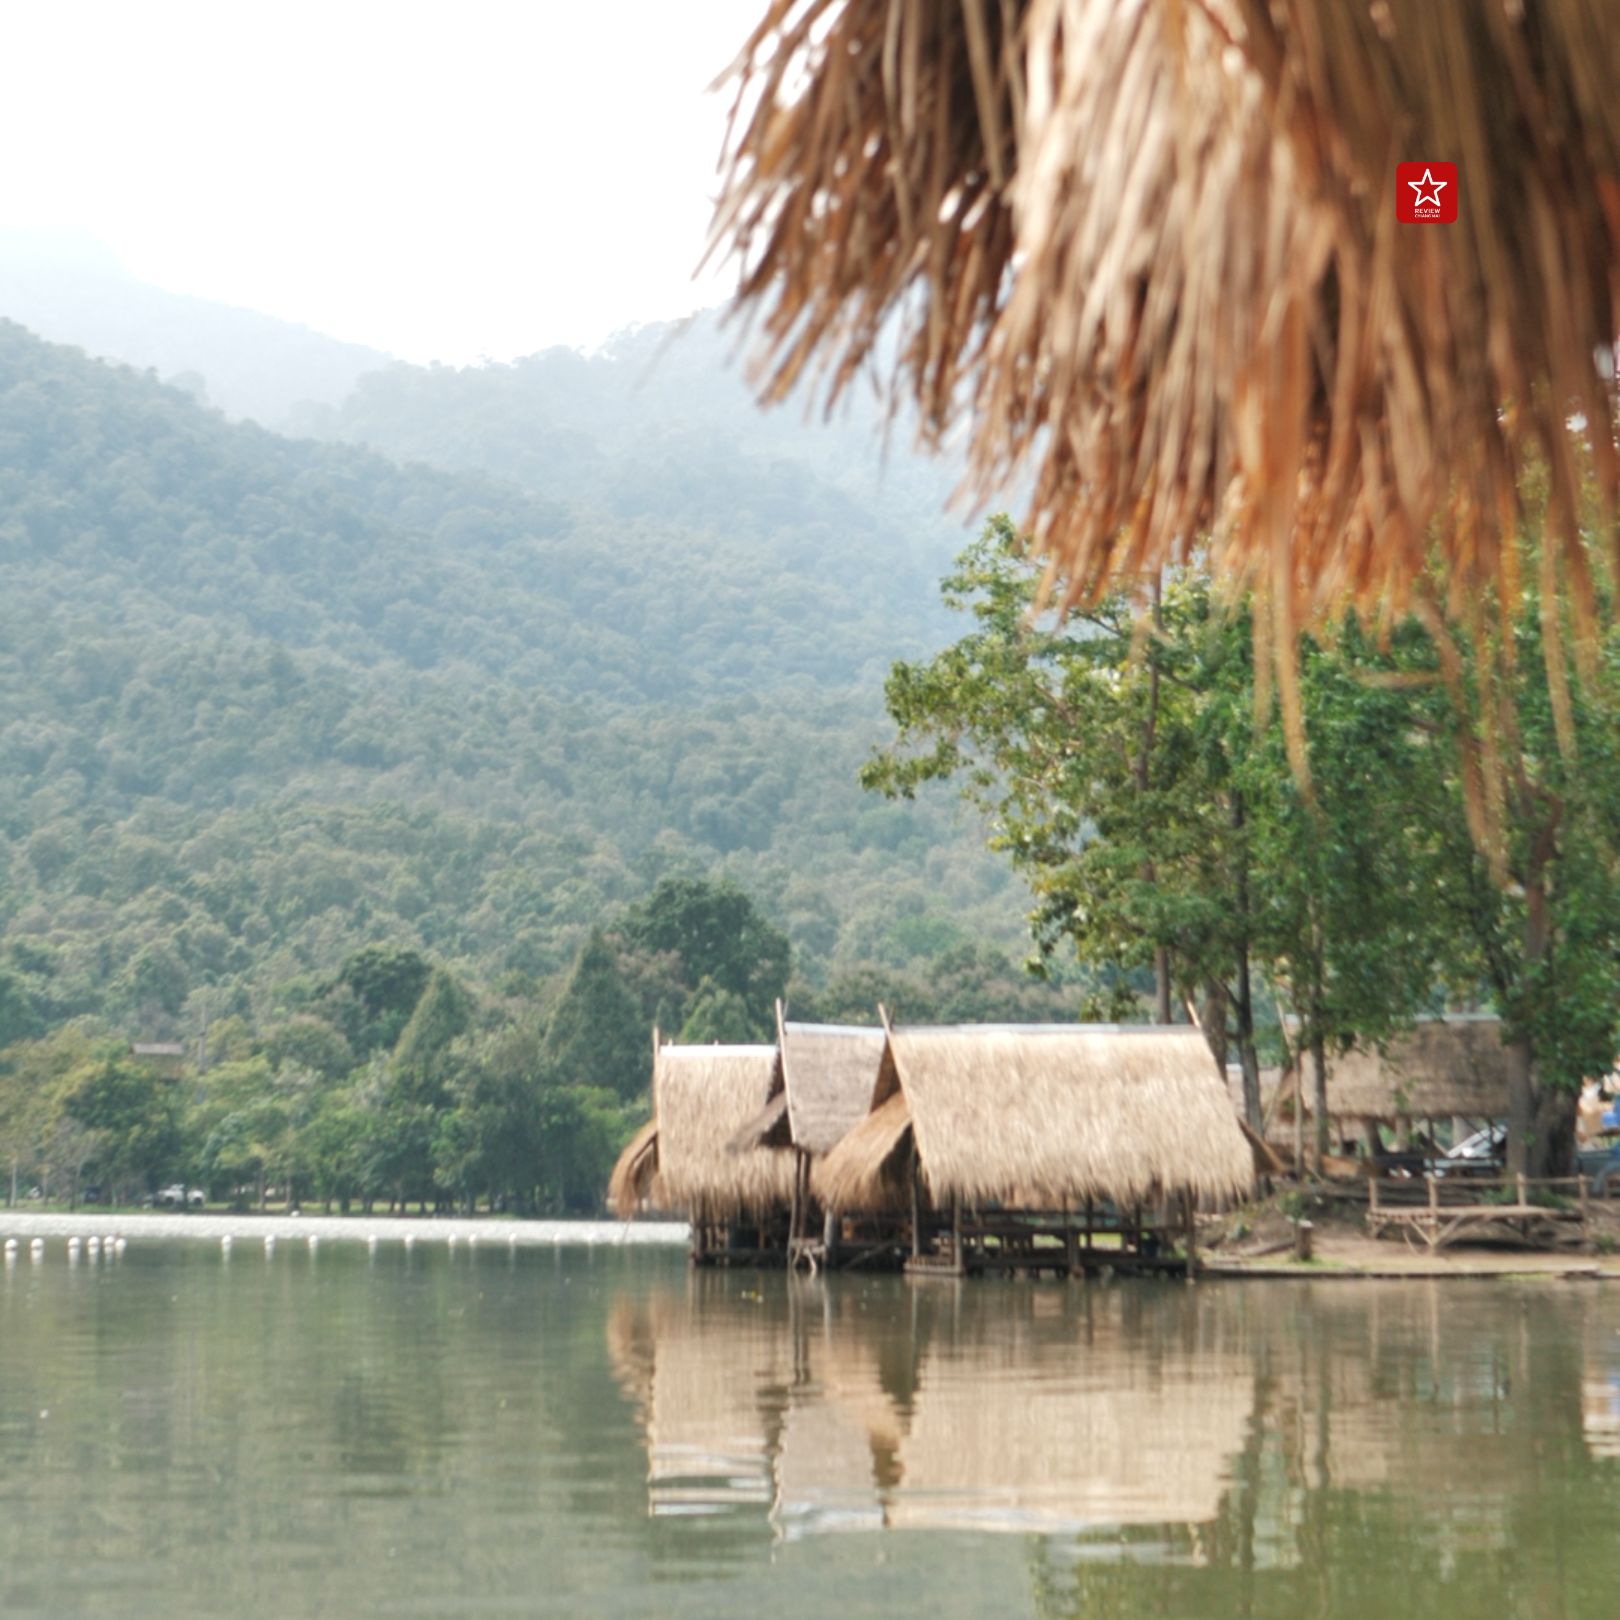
135, 1111
597, 1035
718, 1015
375, 992
718, 934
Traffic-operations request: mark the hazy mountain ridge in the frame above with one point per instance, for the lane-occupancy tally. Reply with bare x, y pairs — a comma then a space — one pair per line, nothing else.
262, 700
74, 291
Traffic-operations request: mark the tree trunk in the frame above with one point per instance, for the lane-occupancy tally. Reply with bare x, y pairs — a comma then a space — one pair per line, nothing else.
1214, 1016
1162, 1012
1247, 1055
1319, 1136
1531, 1149
1551, 1148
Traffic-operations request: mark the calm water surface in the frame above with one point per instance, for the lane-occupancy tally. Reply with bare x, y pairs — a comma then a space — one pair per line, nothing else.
600, 1432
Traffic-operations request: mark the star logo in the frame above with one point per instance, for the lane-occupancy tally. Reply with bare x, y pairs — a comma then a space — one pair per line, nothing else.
1428, 190
1426, 193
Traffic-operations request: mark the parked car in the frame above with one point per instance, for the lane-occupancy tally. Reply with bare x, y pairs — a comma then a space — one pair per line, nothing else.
177, 1196
1483, 1153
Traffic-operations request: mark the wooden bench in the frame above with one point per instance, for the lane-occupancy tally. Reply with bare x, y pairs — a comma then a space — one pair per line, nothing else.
1441, 1210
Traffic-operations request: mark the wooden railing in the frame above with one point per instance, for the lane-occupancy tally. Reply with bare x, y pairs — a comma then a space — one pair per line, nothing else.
1443, 1209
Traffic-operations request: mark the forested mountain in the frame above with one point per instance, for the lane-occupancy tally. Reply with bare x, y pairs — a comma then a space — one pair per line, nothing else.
264, 702
74, 290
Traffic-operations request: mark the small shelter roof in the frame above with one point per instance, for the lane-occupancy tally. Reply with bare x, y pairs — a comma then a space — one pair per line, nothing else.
830, 1073
826, 1077
1046, 1114
702, 1097
1441, 1066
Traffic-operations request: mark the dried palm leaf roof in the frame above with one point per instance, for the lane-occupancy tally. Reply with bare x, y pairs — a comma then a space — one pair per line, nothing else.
867, 1169
634, 1171
1044, 1114
1439, 1067
826, 1077
1150, 247
702, 1096
831, 1073
766, 1129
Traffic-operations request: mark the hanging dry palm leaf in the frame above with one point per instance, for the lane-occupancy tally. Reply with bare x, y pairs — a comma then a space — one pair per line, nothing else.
1151, 247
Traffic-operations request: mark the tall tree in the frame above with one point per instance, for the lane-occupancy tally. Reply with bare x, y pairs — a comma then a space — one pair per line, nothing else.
596, 1035
718, 933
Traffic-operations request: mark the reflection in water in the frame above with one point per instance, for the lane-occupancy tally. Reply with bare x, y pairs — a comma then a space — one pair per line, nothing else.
1018, 1409
1232, 1430
600, 1433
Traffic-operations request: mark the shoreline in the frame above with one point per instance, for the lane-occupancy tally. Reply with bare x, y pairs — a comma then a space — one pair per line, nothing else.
349, 1229
1341, 1260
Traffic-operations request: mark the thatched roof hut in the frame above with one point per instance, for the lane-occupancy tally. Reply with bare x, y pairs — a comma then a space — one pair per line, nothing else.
634, 1172
1441, 1067
826, 1076
702, 1096
1043, 1116
1152, 250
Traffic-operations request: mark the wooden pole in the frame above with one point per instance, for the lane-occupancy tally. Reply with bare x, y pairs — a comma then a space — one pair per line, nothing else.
916, 1207
1190, 1204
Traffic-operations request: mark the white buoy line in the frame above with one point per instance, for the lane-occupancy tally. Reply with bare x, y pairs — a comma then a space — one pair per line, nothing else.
83, 1239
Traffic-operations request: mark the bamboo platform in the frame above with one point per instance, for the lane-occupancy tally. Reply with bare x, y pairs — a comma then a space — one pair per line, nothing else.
1440, 1211
1055, 1244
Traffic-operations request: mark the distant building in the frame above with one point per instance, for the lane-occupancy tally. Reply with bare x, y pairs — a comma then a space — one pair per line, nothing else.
167, 1056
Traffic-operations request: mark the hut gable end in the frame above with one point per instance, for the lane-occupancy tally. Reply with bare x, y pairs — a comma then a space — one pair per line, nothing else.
703, 1097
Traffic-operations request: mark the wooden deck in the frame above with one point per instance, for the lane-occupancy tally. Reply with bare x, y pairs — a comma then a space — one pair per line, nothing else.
1440, 1211
1077, 1243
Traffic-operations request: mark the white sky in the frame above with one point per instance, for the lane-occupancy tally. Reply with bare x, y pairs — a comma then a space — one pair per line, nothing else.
443, 181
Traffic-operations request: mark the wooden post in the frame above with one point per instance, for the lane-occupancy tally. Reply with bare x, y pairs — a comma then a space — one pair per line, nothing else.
1519, 1178
956, 1234
916, 1208
1372, 1195
1191, 1203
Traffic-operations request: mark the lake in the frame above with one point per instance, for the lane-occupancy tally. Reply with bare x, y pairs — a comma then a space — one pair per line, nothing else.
599, 1431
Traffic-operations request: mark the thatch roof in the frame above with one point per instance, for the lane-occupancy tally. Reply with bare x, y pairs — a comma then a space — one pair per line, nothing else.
826, 1076
634, 1171
1440, 1067
1150, 250
702, 1096
1045, 1115
831, 1075
768, 1128
867, 1169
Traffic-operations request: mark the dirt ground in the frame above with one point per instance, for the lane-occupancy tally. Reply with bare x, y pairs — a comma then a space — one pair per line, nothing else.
1258, 1240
